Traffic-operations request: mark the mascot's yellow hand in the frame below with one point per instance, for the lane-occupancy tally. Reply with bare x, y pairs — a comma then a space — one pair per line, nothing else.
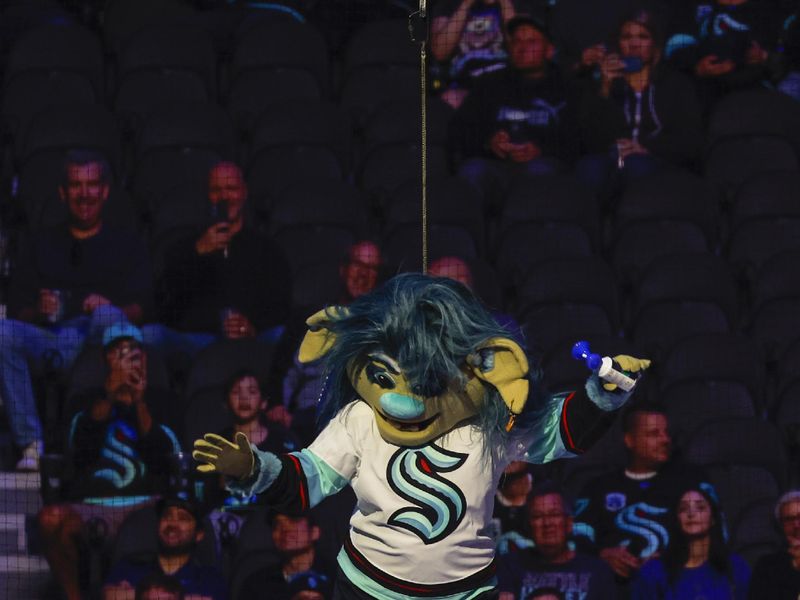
629, 364
216, 454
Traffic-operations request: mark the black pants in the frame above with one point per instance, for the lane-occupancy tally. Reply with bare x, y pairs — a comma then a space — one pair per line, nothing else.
344, 590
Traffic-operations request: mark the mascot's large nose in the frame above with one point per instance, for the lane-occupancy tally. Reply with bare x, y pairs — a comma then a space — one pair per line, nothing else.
399, 406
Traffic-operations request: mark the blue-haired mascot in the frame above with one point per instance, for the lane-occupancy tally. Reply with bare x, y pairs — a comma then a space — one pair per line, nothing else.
427, 400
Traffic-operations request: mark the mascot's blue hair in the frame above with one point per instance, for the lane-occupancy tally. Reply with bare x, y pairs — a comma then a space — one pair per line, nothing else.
429, 325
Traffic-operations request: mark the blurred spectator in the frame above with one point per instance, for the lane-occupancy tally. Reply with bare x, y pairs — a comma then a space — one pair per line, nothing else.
119, 456
545, 593
249, 410
520, 121
467, 41
790, 41
697, 562
640, 115
511, 501
225, 281
458, 269
302, 384
777, 576
628, 511
728, 46
552, 563
159, 587
179, 531
68, 284
295, 539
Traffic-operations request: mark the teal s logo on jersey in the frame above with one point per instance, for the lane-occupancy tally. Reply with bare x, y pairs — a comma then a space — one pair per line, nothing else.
640, 520
414, 474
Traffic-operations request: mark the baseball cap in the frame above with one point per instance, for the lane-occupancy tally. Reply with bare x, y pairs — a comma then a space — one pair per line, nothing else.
121, 330
523, 19
177, 501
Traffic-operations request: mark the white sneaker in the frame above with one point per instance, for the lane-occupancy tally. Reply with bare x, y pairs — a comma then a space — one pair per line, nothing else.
30, 457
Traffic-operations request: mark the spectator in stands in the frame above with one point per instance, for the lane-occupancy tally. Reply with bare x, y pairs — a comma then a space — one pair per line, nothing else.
68, 284
467, 42
697, 562
249, 410
519, 121
511, 501
117, 453
227, 281
295, 539
159, 587
359, 273
552, 563
179, 531
640, 115
728, 46
777, 576
628, 511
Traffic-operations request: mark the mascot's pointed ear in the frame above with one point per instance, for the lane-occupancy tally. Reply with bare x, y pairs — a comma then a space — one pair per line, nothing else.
502, 363
319, 339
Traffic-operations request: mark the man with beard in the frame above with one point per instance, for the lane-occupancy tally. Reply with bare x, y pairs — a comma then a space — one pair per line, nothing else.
179, 532
119, 456
68, 284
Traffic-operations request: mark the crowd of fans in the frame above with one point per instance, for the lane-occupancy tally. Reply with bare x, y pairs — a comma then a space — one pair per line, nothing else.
625, 100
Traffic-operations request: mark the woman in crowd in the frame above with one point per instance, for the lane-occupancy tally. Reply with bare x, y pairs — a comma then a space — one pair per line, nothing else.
638, 115
697, 563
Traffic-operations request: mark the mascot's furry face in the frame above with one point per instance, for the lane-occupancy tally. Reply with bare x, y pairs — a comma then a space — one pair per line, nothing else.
423, 353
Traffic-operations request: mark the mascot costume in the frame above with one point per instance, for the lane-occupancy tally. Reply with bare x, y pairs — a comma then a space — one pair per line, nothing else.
427, 400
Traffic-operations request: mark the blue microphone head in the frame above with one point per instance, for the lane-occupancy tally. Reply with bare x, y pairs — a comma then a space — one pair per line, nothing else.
593, 361
580, 350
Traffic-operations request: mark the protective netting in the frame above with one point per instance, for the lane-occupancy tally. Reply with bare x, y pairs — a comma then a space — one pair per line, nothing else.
183, 183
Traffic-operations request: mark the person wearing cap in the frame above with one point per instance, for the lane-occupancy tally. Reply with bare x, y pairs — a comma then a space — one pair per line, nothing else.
119, 455
520, 121
67, 284
179, 531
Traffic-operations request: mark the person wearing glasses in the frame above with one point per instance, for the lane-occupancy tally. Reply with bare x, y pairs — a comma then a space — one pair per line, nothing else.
777, 576
553, 562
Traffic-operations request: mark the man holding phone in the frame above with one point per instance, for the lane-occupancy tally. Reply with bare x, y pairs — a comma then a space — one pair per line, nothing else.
225, 281
519, 121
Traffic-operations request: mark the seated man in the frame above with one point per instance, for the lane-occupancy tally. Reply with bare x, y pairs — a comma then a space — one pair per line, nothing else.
118, 453
179, 532
627, 512
552, 563
68, 284
520, 121
226, 281
777, 576
295, 541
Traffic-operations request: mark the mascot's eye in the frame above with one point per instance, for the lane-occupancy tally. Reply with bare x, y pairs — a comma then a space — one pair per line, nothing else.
382, 378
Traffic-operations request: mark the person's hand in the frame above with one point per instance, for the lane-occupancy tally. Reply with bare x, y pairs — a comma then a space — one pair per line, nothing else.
93, 301
711, 66
127, 379
100, 410
49, 303
215, 238
500, 144
217, 455
628, 146
611, 67
629, 364
279, 414
522, 153
622, 562
756, 55
236, 326
506, 596
593, 55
